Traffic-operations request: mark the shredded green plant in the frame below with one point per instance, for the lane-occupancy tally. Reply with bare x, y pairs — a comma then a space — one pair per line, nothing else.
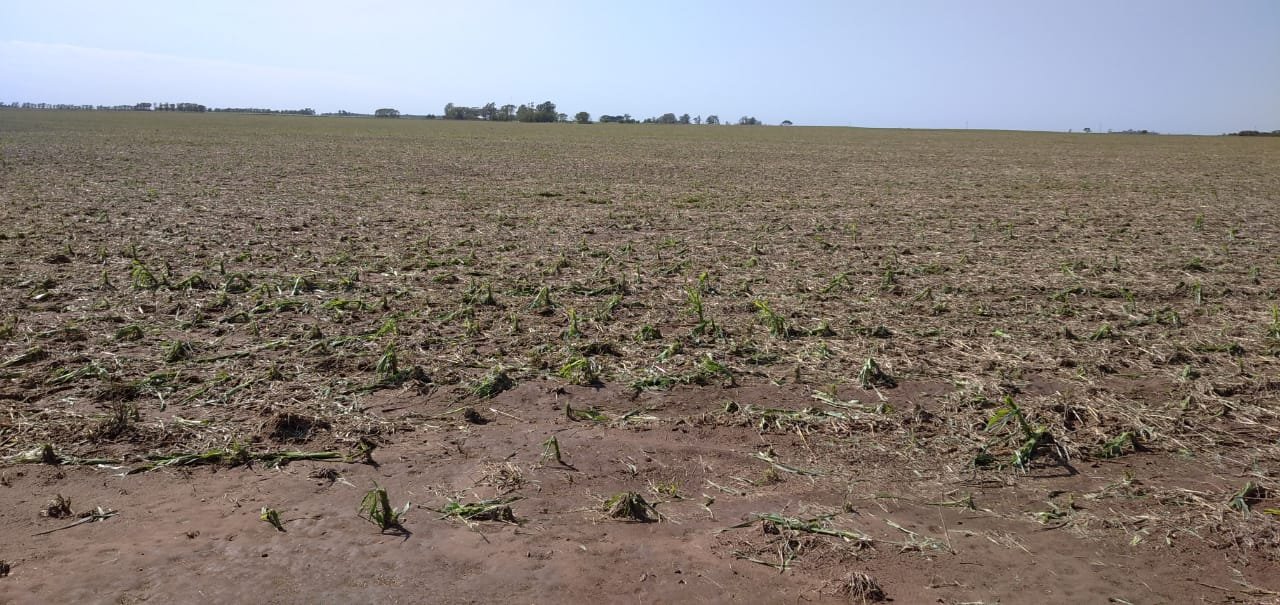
551, 450
376, 508
272, 516
1033, 438
497, 509
816, 525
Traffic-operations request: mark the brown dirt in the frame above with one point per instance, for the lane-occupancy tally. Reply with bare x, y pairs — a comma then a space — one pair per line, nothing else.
362, 281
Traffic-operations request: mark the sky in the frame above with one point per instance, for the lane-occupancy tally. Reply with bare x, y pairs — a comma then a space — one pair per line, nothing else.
1177, 66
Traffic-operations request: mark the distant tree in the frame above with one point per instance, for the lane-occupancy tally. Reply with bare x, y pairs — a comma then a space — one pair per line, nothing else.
713, 120
684, 118
786, 122
489, 111
622, 119
697, 119
582, 117
506, 113
562, 117
542, 112
386, 112
545, 112
667, 118
1088, 130
748, 121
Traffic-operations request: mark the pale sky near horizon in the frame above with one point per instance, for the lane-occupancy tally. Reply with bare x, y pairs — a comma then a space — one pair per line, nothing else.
1175, 66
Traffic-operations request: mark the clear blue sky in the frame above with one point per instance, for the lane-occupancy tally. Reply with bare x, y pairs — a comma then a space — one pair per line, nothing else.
1167, 65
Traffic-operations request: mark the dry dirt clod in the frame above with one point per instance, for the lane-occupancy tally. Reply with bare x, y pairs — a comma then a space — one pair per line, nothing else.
328, 474
57, 508
288, 426
473, 417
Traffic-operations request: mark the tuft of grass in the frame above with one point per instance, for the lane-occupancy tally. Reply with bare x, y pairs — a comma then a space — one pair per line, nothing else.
551, 451
1114, 448
494, 382
572, 332
647, 333
776, 323
1033, 437
863, 589
630, 506
9, 327
693, 298
376, 508
272, 516
667, 489
1246, 497
390, 326
708, 370
195, 281
823, 330
580, 370
129, 333
888, 280
119, 422
872, 375
505, 477
142, 277
388, 366
177, 350
479, 295
542, 303
605, 311
839, 282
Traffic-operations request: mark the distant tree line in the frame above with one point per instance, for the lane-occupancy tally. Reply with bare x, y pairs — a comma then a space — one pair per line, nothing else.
191, 107
622, 119
546, 112
1255, 133
529, 112
287, 112
70, 107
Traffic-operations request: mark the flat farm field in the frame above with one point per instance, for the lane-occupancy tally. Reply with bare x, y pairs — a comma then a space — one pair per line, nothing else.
633, 364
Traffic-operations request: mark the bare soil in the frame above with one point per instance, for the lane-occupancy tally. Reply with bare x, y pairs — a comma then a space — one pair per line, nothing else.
826, 365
